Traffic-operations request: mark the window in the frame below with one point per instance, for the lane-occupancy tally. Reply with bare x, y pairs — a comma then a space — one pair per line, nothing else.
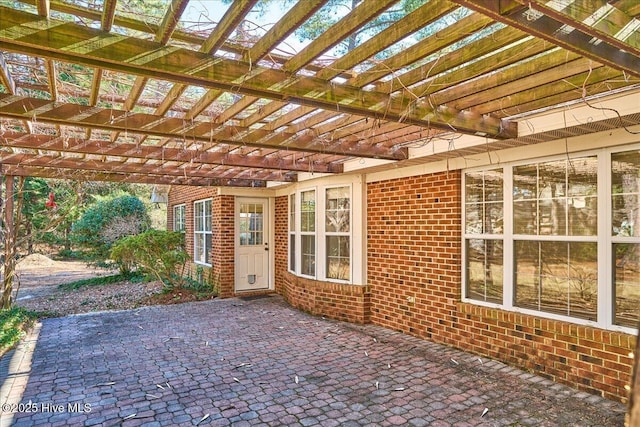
179, 218
625, 229
308, 232
557, 237
202, 232
320, 225
485, 212
338, 217
556, 199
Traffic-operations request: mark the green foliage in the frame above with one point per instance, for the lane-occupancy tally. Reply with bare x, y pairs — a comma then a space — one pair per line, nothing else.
13, 323
158, 253
133, 277
108, 220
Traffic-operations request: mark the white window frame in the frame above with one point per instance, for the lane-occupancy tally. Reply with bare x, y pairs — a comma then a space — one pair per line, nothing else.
604, 239
204, 232
179, 220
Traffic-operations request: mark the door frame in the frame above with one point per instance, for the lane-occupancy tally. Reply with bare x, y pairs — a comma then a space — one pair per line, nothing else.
269, 236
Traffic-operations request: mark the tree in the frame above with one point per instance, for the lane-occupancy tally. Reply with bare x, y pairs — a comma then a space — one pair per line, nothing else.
107, 220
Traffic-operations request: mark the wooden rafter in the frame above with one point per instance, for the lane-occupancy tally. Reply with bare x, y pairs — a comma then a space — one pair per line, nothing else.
298, 14
420, 17
138, 178
356, 19
167, 169
81, 146
149, 59
549, 27
5, 76
196, 131
427, 46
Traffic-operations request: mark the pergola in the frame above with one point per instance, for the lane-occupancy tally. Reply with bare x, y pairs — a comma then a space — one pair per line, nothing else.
92, 91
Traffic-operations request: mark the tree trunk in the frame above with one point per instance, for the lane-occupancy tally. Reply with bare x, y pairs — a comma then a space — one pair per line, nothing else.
9, 246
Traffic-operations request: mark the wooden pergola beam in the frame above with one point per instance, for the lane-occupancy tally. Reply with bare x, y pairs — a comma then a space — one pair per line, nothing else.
149, 152
294, 17
351, 22
176, 170
231, 19
21, 31
82, 175
609, 51
17, 107
419, 18
5, 76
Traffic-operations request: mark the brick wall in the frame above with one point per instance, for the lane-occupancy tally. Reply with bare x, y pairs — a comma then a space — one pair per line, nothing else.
414, 274
222, 252
333, 300
221, 274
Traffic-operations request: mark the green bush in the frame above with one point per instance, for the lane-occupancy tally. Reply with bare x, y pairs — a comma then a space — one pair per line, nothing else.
158, 253
106, 221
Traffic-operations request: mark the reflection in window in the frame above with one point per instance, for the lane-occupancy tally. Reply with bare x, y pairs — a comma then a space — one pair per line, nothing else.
626, 276
625, 227
307, 231
338, 241
292, 232
557, 277
556, 198
484, 214
179, 218
251, 224
484, 270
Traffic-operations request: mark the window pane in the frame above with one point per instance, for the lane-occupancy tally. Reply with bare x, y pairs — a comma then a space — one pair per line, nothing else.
626, 277
557, 277
484, 270
308, 255
338, 255
525, 179
308, 211
337, 210
198, 250
625, 189
207, 248
484, 202
474, 187
292, 212
553, 217
292, 252
582, 175
207, 215
524, 217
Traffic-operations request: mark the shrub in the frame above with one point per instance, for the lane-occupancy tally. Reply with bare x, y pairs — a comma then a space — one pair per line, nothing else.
108, 220
158, 253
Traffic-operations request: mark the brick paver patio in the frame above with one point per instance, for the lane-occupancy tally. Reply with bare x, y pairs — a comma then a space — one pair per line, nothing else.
260, 362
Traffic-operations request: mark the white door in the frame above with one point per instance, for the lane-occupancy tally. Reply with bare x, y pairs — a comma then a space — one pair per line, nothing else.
252, 246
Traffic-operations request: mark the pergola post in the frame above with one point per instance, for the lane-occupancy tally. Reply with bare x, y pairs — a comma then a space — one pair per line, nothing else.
9, 244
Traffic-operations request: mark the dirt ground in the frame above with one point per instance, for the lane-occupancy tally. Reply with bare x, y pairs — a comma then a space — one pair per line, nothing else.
37, 288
